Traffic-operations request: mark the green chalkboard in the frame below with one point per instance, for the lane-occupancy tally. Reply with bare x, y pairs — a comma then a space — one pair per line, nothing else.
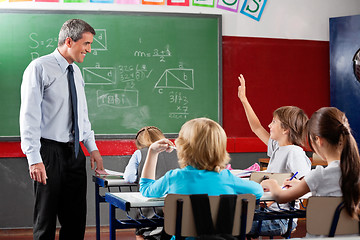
144, 68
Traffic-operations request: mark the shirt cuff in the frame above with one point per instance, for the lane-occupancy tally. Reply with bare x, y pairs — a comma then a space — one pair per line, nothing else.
33, 158
90, 146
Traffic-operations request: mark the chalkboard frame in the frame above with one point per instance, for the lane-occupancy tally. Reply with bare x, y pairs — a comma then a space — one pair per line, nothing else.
218, 17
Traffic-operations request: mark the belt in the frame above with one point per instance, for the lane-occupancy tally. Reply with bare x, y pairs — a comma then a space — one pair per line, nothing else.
64, 144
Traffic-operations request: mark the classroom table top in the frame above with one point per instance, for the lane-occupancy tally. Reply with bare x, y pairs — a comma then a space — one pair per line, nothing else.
127, 200
111, 181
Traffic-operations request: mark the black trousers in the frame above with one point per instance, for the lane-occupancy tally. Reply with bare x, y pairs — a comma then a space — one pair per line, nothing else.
63, 196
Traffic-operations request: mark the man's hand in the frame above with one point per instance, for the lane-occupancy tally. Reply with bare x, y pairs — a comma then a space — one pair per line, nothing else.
96, 157
38, 172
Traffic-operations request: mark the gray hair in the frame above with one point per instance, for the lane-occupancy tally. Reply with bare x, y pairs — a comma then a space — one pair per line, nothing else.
74, 29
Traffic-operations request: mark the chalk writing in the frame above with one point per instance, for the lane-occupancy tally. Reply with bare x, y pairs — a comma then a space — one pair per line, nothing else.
180, 101
118, 98
99, 43
176, 78
161, 54
99, 75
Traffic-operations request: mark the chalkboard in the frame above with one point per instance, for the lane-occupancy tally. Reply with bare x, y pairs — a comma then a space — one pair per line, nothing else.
156, 69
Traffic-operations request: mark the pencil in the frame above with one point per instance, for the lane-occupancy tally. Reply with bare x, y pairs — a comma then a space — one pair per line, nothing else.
291, 178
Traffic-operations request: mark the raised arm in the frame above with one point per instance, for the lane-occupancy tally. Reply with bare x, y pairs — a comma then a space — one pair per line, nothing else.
152, 156
253, 120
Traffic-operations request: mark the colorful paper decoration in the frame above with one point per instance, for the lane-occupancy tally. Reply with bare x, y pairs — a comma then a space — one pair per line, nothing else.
203, 3
153, 2
46, 0
253, 8
102, 1
178, 2
76, 1
230, 5
135, 2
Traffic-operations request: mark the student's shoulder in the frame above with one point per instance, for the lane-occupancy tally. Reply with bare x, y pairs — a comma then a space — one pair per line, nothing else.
295, 149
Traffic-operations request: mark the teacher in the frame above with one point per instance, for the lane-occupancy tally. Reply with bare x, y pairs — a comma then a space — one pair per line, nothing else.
53, 120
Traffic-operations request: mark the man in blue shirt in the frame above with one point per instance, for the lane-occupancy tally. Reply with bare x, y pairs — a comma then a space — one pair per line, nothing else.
48, 135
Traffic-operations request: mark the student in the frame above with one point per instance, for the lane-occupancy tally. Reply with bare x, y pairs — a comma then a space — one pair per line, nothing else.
143, 139
284, 149
329, 135
56, 160
167, 161
201, 149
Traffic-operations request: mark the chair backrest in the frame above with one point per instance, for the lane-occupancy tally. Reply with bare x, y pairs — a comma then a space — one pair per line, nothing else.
320, 213
279, 177
317, 160
188, 227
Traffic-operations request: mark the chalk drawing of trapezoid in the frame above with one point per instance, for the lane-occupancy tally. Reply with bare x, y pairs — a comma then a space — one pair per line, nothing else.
176, 78
99, 75
99, 42
117, 98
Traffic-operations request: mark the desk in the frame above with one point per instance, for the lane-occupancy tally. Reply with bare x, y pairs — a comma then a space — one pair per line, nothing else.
128, 200
264, 162
106, 183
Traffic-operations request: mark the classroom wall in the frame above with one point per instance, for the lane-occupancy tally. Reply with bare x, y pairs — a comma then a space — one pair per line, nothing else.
284, 58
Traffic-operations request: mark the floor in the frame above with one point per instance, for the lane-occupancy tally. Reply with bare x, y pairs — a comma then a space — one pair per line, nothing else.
90, 234
26, 234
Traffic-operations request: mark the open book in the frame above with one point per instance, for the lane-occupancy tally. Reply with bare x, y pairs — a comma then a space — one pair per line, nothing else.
109, 174
241, 173
146, 199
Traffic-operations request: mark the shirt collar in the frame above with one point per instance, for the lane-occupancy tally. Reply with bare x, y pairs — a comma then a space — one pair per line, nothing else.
61, 60
189, 167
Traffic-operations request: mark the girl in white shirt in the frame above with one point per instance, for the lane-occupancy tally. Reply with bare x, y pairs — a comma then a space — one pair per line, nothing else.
329, 135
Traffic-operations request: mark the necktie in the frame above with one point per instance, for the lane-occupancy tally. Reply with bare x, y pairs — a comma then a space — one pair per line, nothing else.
75, 126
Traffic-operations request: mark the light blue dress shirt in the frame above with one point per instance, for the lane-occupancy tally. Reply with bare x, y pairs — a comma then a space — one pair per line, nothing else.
45, 110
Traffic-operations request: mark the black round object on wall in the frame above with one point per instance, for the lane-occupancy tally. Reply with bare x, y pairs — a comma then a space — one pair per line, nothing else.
356, 64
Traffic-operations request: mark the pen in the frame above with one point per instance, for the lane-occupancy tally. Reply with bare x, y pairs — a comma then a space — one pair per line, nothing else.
291, 178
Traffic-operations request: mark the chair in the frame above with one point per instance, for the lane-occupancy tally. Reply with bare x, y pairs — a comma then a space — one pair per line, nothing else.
179, 216
279, 177
326, 216
317, 160
262, 215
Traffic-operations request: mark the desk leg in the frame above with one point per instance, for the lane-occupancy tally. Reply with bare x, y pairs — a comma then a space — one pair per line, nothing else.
112, 220
97, 211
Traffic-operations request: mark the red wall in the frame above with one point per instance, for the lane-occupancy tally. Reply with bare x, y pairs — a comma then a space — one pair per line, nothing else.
278, 72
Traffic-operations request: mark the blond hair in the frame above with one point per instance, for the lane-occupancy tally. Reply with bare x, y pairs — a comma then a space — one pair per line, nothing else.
147, 135
293, 119
202, 144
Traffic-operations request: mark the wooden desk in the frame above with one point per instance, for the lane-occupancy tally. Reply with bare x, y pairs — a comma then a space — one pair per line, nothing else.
103, 182
264, 162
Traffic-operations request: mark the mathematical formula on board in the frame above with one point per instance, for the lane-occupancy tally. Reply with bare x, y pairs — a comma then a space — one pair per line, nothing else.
122, 81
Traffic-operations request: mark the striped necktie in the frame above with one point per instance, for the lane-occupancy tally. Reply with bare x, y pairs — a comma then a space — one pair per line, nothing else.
75, 126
